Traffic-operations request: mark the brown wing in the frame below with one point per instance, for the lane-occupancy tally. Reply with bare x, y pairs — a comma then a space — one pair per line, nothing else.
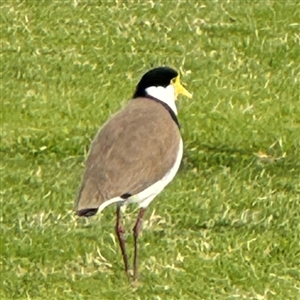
135, 149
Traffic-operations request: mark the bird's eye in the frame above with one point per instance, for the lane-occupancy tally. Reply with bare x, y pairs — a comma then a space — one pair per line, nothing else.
173, 80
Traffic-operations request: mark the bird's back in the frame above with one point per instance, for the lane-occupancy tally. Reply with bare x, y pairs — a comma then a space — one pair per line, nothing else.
135, 149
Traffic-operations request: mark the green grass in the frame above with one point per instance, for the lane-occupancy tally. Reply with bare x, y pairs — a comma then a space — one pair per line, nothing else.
228, 226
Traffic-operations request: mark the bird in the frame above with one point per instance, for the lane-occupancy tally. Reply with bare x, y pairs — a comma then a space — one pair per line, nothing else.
135, 155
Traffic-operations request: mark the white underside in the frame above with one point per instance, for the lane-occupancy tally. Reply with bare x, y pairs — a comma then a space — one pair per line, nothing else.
167, 95
146, 196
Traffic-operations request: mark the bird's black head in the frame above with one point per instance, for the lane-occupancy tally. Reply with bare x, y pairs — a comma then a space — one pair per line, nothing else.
161, 76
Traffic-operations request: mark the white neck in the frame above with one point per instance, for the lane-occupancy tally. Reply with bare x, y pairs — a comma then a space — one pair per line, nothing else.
164, 94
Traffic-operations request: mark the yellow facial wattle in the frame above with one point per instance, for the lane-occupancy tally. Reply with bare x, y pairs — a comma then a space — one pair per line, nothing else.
179, 89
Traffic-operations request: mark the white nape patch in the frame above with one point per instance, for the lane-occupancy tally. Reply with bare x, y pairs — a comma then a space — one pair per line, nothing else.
164, 94
146, 196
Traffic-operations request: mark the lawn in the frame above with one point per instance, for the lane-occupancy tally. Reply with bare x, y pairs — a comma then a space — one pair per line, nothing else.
228, 226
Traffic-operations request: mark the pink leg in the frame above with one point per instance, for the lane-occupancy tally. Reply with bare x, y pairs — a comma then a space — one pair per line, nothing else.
136, 231
120, 234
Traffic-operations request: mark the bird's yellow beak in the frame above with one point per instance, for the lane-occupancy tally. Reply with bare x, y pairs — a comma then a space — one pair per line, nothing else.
179, 89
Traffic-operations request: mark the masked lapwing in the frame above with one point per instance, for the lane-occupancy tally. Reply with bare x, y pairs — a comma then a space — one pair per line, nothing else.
136, 153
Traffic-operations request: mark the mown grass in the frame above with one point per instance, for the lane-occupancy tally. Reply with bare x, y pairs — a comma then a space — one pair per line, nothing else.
228, 226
